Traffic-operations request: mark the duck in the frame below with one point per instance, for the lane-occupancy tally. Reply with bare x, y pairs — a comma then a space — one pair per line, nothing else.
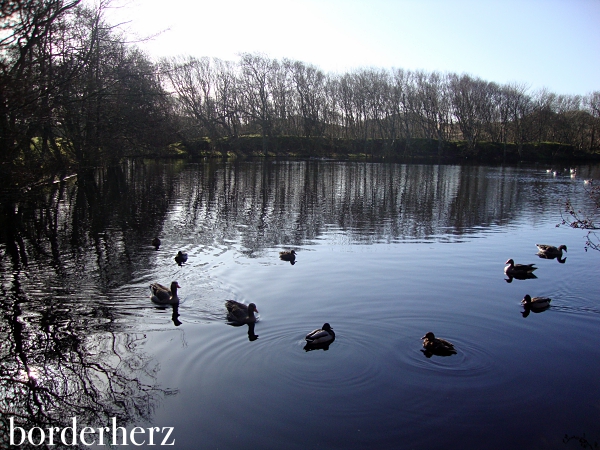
288, 255
437, 346
551, 251
535, 302
156, 242
181, 257
323, 335
239, 313
162, 294
518, 269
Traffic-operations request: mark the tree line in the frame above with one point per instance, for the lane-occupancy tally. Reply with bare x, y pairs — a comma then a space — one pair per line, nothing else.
73, 90
267, 97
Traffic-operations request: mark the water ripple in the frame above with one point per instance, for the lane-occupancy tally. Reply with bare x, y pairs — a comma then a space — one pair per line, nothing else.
472, 361
343, 365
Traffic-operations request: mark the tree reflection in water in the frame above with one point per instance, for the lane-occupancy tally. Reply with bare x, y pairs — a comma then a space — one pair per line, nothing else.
64, 352
68, 349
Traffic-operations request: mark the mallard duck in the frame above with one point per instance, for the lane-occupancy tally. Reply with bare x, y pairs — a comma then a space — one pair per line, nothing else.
535, 302
181, 257
164, 295
322, 335
515, 270
437, 346
288, 255
239, 313
551, 251
156, 243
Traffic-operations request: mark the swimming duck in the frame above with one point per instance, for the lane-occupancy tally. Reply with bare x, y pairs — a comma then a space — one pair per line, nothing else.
535, 302
551, 251
164, 295
156, 242
181, 257
322, 335
239, 313
518, 269
437, 346
288, 255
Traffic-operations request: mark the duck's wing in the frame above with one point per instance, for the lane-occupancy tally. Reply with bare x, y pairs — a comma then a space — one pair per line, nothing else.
233, 306
286, 256
525, 267
546, 248
156, 288
160, 292
442, 347
317, 335
540, 301
236, 311
445, 344
313, 333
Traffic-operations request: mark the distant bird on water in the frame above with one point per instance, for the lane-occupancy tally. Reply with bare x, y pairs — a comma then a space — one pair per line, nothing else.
323, 335
535, 303
288, 255
437, 346
239, 313
550, 251
518, 269
181, 257
156, 243
163, 295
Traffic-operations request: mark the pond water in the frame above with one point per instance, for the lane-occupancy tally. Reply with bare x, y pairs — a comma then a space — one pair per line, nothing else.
385, 253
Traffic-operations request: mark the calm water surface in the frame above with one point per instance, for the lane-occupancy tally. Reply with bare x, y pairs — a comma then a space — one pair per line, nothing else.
385, 253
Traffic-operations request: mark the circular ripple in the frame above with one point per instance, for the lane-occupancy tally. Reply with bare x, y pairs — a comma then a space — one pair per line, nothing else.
470, 361
348, 363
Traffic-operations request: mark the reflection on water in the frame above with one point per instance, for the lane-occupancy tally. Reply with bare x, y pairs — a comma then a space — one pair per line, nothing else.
387, 251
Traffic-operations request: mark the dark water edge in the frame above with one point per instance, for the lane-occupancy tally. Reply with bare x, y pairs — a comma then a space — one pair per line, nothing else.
402, 151
416, 150
80, 338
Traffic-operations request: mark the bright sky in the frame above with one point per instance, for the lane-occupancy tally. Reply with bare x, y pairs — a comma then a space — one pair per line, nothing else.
541, 43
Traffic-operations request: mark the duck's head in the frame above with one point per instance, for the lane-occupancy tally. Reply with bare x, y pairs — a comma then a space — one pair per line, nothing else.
526, 300
429, 336
510, 261
174, 287
563, 247
327, 327
252, 308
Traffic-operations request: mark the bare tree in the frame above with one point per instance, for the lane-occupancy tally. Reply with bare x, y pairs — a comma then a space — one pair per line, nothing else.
585, 219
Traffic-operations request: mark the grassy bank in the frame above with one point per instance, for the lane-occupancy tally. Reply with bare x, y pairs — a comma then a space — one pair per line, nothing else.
417, 150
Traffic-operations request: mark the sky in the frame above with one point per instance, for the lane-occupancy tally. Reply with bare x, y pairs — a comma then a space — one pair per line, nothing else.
552, 44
